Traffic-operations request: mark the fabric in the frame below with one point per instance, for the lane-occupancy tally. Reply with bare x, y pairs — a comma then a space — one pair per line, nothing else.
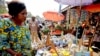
14, 37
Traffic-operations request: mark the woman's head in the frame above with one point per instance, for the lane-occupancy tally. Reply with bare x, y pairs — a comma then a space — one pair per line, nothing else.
17, 10
96, 15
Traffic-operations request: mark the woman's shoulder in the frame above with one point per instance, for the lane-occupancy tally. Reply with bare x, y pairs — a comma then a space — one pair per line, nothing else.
5, 21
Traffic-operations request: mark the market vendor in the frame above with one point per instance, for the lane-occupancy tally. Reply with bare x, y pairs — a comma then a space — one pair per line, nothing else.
80, 30
14, 35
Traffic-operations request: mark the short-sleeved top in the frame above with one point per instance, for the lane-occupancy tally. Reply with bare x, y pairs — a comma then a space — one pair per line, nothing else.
13, 36
33, 26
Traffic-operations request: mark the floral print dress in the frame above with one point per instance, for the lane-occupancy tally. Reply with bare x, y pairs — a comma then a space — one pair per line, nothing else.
14, 37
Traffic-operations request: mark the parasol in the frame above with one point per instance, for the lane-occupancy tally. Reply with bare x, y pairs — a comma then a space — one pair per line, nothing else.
92, 8
53, 16
74, 2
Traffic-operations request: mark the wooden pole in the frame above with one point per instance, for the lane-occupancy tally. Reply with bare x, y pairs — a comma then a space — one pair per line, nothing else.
50, 43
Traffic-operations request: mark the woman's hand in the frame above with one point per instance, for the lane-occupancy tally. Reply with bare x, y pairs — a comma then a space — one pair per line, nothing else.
13, 53
18, 54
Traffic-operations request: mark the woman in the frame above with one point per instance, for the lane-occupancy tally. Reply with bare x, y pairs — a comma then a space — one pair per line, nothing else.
95, 19
15, 37
96, 39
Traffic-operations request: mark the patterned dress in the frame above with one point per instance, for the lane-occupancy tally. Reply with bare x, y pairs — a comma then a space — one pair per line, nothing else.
15, 37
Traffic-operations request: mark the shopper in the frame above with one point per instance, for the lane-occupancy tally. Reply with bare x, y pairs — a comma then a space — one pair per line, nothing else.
15, 36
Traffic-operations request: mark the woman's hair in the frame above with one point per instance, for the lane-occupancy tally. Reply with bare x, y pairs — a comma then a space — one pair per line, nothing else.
15, 8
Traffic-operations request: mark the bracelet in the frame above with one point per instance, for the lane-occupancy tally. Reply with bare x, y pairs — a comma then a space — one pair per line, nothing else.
4, 48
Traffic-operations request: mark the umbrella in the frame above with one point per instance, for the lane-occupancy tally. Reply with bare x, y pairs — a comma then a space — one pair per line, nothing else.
74, 2
92, 8
53, 16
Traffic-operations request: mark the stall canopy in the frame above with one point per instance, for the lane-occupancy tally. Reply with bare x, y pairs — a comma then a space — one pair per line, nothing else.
92, 8
53, 16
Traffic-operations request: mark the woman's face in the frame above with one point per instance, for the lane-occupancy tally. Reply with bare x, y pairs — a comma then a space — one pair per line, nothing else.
22, 15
